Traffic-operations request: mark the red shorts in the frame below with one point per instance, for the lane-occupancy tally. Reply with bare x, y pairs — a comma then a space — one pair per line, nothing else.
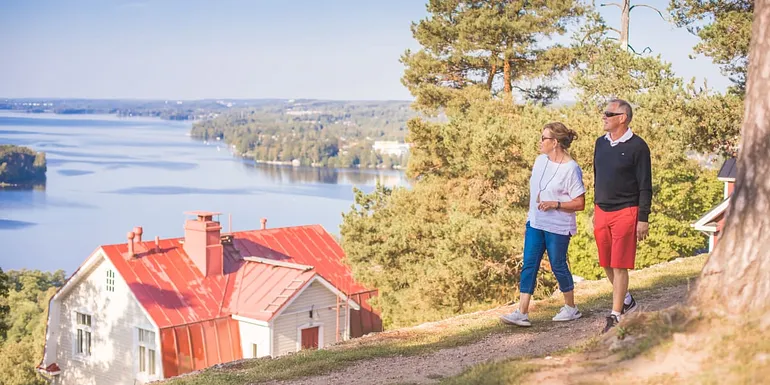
615, 233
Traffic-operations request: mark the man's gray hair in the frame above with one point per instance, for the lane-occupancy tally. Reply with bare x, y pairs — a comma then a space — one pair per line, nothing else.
625, 107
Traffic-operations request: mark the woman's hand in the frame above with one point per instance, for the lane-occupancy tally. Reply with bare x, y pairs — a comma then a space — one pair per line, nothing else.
547, 205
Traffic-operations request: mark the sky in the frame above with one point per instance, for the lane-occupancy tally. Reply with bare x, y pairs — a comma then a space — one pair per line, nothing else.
193, 49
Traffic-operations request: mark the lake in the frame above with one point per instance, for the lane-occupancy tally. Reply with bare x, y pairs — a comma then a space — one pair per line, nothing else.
108, 174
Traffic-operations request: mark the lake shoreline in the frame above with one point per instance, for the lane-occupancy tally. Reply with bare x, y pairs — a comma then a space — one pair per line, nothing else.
249, 157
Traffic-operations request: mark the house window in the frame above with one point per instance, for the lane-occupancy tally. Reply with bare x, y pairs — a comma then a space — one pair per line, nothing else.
83, 337
147, 352
254, 350
110, 280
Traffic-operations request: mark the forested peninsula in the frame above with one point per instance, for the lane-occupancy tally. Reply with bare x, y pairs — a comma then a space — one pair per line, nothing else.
315, 133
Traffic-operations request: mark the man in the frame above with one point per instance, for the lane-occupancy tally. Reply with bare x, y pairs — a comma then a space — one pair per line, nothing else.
622, 202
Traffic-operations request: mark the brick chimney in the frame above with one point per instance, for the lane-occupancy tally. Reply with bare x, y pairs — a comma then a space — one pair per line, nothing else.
202, 243
264, 223
138, 232
130, 237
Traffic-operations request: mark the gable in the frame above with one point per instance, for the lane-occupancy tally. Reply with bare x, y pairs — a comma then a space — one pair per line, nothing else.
79, 274
315, 294
319, 292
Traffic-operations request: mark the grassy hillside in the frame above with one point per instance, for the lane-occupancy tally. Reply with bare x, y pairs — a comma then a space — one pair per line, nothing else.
591, 296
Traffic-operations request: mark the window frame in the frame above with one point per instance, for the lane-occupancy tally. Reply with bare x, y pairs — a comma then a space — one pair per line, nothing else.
109, 285
79, 328
146, 364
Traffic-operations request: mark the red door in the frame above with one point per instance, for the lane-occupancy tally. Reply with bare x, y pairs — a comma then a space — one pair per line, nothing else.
310, 338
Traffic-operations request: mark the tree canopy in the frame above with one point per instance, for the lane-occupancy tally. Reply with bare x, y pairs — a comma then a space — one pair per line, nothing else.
495, 43
21, 347
21, 165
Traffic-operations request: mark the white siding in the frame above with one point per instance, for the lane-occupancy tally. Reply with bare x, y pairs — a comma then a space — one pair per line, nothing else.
114, 318
252, 333
285, 339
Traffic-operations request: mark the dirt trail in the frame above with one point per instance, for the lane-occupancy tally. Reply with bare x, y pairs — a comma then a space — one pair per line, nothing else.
520, 342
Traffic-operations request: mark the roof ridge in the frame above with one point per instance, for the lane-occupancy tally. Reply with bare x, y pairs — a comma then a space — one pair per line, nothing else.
273, 262
224, 233
279, 228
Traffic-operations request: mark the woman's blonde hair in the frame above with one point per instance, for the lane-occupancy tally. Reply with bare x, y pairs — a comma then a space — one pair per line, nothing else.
563, 135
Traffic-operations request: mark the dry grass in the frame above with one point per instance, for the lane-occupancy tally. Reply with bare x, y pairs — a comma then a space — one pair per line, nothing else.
674, 346
457, 331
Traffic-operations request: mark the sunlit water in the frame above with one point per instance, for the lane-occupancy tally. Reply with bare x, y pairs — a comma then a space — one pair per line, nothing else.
107, 175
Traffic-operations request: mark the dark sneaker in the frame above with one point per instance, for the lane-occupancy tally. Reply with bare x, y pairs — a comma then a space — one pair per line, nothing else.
612, 320
630, 307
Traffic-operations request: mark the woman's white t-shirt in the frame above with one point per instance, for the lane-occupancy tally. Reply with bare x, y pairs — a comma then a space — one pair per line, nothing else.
558, 182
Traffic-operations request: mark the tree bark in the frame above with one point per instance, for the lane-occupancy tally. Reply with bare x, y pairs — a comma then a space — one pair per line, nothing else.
625, 21
507, 76
736, 277
492, 71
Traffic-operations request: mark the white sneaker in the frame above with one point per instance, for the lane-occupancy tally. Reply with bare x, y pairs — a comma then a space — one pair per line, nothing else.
567, 314
516, 318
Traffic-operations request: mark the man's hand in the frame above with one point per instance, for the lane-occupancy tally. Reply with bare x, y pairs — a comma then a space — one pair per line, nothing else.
642, 230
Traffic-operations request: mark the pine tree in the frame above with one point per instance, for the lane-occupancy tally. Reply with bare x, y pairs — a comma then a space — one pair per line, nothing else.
492, 43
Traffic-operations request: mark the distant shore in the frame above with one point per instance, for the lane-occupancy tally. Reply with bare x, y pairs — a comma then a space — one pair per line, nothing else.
99, 116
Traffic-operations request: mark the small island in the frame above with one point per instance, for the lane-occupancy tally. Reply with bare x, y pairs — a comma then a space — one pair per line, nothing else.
21, 165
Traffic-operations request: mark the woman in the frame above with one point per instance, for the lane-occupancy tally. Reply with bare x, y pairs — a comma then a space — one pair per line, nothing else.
556, 193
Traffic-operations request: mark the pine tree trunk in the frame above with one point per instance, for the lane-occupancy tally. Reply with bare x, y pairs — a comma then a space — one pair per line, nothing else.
492, 71
625, 21
507, 76
736, 277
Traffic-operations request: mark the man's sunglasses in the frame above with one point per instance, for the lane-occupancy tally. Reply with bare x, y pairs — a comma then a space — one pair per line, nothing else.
611, 114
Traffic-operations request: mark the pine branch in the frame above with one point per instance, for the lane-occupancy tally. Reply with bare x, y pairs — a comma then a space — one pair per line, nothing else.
608, 4
645, 50
650, 7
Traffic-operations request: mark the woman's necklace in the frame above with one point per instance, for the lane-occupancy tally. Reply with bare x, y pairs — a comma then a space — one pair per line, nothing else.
540, 183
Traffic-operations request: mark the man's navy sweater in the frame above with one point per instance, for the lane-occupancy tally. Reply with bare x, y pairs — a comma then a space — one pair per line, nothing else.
623, 175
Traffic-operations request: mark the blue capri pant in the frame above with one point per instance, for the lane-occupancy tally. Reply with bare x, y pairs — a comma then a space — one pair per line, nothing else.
536, 242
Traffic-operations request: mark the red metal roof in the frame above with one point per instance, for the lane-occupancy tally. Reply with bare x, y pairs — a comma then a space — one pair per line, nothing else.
261, 290
306, 245
174, 292
168, 285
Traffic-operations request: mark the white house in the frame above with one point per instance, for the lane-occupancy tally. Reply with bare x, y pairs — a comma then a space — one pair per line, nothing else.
712, 223
390, 147
142, 311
